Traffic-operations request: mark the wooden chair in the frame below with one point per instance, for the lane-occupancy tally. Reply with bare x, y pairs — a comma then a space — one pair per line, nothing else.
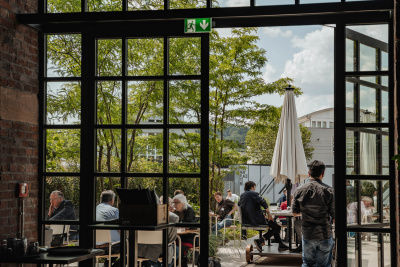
151, 238
104, 236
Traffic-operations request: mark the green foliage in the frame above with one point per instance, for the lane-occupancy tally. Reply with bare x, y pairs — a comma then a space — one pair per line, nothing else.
260, 140
397, 159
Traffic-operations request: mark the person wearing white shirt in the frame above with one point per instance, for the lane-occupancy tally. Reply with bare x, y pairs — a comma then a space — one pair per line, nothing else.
232, 197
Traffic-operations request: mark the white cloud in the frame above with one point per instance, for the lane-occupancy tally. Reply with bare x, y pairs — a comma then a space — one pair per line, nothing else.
224, 32
379, 32
237, 3
306, 104
312, 68
269, 74
276, 32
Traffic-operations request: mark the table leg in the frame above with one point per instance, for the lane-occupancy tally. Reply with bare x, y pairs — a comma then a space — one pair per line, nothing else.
289, 229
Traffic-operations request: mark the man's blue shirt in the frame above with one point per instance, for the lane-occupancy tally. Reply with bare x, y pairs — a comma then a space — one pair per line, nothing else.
106, 212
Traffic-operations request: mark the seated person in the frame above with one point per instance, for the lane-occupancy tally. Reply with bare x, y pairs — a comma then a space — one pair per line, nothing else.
186, 214
106, 212
154, 251
61, 209
250, 203
225, 209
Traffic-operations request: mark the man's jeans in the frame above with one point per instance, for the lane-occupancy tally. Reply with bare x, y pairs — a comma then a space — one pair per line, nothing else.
220, 224
317, 253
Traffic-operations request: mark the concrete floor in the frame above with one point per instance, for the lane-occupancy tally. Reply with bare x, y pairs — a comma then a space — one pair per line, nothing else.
233, 255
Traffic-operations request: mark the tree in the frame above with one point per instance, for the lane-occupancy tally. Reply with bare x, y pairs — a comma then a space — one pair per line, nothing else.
236, 64
260, 140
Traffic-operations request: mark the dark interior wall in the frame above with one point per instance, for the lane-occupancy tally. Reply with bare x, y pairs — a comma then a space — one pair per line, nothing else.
18, 118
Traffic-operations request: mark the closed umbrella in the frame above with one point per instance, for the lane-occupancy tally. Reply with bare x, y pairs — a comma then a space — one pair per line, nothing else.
367, 149
289, 160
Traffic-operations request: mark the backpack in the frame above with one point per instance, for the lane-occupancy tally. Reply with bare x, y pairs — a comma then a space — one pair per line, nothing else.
214, 262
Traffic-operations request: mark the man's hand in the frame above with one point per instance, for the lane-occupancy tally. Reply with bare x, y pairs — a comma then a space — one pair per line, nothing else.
270, 218
217, 216
51, 209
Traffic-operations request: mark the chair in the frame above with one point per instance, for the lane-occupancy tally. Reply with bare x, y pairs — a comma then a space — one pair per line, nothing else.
233, 227
194, 249
151, 238
59, 229
104, 236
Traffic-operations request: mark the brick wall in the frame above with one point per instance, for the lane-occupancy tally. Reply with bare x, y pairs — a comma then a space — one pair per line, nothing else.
18, 118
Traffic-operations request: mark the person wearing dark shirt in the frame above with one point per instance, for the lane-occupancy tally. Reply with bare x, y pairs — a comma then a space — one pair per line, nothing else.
282, 198
60, 209
315, 203
225, 209
250, 204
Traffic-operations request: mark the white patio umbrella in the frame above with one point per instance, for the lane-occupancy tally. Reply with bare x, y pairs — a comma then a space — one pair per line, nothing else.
367, 149
289, 160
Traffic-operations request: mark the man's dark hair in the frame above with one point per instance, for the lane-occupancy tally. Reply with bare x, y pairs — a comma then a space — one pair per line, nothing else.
217, 194
178, 191
248, 185
316, 168
228, 190
107, 196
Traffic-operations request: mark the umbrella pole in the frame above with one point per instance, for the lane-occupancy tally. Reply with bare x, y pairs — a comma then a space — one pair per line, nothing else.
289, 219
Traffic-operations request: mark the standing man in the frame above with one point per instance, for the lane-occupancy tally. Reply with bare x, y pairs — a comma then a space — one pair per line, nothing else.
231, 196
225, 209
250, 204
60, 209
315, 203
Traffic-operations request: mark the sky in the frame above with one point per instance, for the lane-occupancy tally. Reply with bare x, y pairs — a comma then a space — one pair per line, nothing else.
305, 54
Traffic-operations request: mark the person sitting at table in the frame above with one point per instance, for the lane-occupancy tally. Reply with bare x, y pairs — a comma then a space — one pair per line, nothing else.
186, 214
106, 211
225, 209
61, 209
231, 196
250, 203
154, 251
282, 197
297, 225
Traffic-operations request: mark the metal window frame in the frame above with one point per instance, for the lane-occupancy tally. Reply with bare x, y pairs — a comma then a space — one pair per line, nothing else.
92, 24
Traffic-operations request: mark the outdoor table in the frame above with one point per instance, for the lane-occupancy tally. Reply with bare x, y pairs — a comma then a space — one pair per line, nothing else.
133, 255
45, 258
289, 216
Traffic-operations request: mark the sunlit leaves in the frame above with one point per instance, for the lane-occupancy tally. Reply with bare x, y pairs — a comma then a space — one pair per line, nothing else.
145, 57
64, 55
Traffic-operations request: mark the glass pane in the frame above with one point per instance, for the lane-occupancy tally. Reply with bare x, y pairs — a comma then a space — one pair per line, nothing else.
235, 3
177, 4
350, 101
63, 103
55, 6
145, 102
67, 196
369, 199
53, 233
63, 150
64, 55
145, 150
384, 61
184, 56
273, 2
104, 5
184, 102
384, 106
190, 188
108, 156
109, 57
367, 58
350, 141
184, 150
352, 258
145, 5
367, 104
107, 183
150, 183
386, 201
317, 1
378, 32
386, 250
145, 57
109, 102
371, 249
350, 46
385, 155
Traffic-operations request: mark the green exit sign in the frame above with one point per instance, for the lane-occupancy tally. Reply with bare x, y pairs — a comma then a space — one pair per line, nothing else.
197, 25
